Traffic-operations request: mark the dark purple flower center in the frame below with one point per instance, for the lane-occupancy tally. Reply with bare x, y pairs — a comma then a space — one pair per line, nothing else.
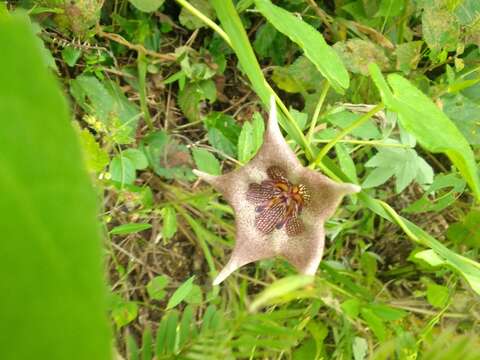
279, 203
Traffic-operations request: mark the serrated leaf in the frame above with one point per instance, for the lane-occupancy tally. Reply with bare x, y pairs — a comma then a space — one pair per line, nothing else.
106, 102
167, 157
137, 157
122, 170
71, 54
156, 287
95, 157
206, 161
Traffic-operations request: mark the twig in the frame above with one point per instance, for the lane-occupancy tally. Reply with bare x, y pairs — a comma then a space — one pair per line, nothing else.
137, 47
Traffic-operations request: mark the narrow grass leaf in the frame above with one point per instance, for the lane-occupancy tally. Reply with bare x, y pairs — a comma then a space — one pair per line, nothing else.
147, 344
129, 229
169, 217
181, 293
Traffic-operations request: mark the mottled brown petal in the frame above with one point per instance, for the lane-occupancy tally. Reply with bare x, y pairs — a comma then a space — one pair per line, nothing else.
259, 193
294, 226
270, 217
276, 173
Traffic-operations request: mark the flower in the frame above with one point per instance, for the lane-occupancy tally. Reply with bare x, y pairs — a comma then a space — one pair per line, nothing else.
280, 206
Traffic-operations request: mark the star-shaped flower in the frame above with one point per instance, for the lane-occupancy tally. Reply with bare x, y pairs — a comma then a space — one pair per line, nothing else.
280, 206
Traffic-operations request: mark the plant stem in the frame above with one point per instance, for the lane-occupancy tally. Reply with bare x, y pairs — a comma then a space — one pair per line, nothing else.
316, 114
142, 74
206, 20
360, 121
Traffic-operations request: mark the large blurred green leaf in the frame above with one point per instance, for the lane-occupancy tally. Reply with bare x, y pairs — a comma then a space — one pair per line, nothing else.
310, 40
52, 302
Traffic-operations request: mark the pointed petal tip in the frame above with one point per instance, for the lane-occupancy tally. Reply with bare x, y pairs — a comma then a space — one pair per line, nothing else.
211, 179
353, 188
226, 272
272, 117
348, 188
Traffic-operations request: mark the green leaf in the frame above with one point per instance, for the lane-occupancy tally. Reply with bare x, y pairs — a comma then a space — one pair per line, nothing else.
147, 5
193, 94
441, 29
360, 348
129, 228
53, 302
344, 119
107, 102
465, 113
310, 40
156, 286
435, 132
206, 161
122, 170
187, 328
251, 138
351, 307
132, 347
167, 157
137, 157
195, 295
430, 257
169, 217
377, 177
280, 288
437, 295
181, 293
95, 157
191, 21
386, 312
357, 54
346, 162
374, 323
408, 55
123, 312
390, 8
299, 77
71, 54
466, 230
147, 344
